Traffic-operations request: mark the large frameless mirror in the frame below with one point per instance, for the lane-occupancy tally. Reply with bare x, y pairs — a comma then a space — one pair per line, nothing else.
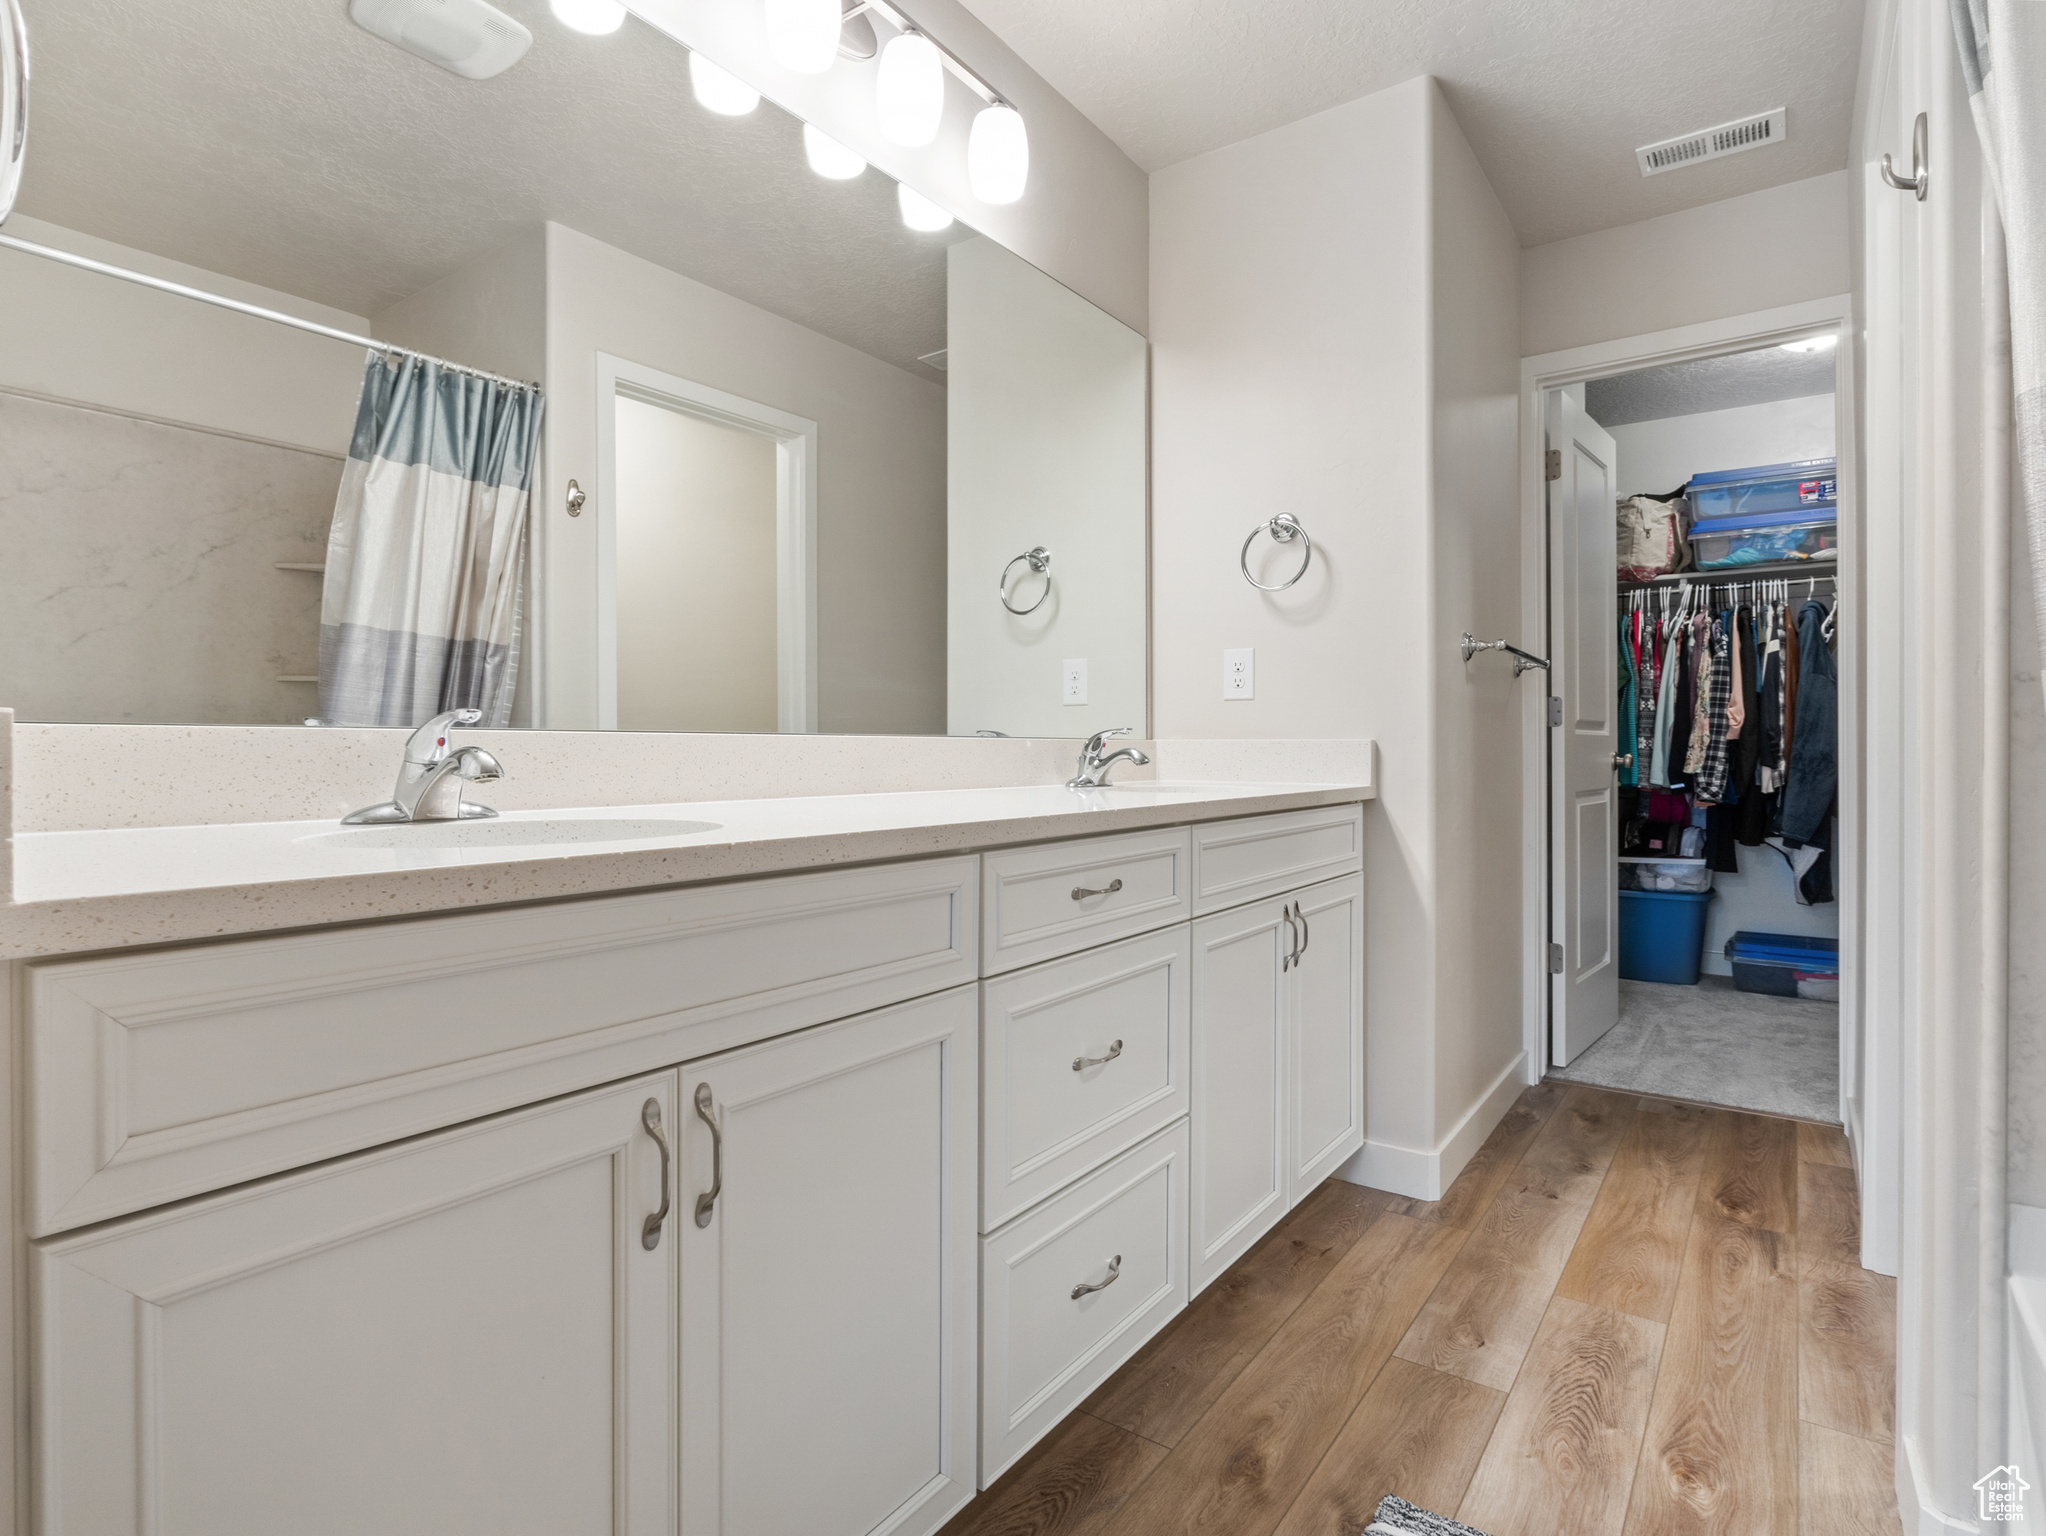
688, 420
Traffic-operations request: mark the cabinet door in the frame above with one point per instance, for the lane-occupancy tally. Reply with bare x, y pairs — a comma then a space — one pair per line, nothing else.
828, 1292
1239, 1185
1327, 1027
463, 1333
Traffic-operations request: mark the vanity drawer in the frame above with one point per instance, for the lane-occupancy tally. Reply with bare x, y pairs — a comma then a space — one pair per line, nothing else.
154, 1076
1051, 1107
1039, 903
1043, 1349
1258, 856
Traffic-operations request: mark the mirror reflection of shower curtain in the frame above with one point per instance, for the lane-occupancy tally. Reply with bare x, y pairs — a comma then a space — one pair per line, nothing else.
426, 557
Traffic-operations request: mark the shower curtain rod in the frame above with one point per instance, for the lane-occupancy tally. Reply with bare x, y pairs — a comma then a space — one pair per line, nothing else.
164, 285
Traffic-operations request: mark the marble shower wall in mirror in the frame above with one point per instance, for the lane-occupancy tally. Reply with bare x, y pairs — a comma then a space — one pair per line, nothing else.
793, 517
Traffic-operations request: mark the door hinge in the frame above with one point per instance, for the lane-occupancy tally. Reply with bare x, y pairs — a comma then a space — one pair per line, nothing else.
1555, 959
1555, 710
1552, 464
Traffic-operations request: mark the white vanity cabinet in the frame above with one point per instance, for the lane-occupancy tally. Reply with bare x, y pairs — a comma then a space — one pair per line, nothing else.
462, 1333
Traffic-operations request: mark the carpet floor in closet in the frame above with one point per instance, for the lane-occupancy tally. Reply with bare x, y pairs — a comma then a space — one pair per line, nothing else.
1626, 1317
1714, 1045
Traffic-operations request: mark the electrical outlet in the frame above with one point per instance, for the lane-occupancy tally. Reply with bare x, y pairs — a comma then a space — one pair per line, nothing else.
1238, 674
1075, 688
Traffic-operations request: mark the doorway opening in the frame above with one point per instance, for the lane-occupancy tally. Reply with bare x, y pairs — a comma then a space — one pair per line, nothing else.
1697, 523
706, 565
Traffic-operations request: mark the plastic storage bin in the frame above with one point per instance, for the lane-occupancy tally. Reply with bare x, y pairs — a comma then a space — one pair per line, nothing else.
1784, 964
1771, 512
1639, 874
1662, 936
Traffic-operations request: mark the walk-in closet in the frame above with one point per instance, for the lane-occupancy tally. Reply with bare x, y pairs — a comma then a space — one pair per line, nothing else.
1725, 617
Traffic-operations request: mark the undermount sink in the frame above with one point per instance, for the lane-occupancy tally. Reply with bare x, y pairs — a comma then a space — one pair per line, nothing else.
510, 834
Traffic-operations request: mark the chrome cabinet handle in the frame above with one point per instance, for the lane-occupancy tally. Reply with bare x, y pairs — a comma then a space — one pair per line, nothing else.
1081, 892
650, 1118
1306, 935
1114, 1274
709, 1198
1293, 944
1081, 1063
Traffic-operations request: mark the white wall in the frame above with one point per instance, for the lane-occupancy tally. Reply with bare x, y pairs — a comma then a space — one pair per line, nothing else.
1083, 218
881, 480
1657, 457
1748, 253
697, 572
1046, 446
1333, 336
77, 336
490, 314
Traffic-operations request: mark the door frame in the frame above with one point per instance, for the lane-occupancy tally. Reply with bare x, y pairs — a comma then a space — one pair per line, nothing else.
795, 533
1866, 1122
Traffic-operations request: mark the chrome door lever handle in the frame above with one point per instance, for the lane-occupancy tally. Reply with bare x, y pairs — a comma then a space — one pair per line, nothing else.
1082, 1063
1114, 1274
650, 1119
1081, 892
707, 1201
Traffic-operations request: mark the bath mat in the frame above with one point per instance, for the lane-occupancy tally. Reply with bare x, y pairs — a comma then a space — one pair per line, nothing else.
1396, 1517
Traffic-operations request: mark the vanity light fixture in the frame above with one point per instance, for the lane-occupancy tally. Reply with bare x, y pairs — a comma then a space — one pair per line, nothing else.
828, 157
719, 90
919, 212
1824, 343
599, 18
998, 154
803, 34
909, 91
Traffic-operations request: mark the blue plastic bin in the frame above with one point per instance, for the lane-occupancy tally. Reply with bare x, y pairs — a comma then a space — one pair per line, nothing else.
1800, 485
1783, 964
1662, 936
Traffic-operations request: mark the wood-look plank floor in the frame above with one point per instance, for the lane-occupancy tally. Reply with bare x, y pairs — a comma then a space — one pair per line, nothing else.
1625, 1318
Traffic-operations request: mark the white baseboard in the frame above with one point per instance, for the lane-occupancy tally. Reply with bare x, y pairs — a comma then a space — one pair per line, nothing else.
1424, 1175
1912, 1494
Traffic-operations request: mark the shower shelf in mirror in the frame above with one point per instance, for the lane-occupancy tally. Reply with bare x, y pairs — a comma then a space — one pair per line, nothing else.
294, 677
298, 565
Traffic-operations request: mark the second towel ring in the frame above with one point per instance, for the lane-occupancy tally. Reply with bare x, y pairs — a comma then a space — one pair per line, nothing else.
1040, 562
1284, 529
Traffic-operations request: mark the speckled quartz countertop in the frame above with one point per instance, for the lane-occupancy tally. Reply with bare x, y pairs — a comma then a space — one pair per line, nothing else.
91, 890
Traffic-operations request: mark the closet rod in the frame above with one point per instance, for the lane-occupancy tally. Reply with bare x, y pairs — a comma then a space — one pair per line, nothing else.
164, 285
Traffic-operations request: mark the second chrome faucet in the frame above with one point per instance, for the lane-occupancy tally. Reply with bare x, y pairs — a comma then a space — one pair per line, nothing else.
1094, 766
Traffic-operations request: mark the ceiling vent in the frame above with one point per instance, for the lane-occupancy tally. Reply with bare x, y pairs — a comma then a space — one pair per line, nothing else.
472, 38
1713, 143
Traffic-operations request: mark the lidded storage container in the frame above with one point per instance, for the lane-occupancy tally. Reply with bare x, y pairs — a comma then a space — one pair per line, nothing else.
1770, 512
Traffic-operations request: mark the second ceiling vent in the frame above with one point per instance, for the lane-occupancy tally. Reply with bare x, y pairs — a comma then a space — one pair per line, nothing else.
1713, 143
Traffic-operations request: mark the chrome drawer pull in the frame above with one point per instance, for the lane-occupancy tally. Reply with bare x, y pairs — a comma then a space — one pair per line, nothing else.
709, 1198
1293, 941
1081, 893
1114, 1274
650, 1118
1301, 918
1082, 1063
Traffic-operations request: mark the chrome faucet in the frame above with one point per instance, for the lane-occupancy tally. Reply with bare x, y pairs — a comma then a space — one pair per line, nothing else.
1094, 767
430, 779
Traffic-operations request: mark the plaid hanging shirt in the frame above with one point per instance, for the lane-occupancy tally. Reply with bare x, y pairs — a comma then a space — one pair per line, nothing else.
1714, 775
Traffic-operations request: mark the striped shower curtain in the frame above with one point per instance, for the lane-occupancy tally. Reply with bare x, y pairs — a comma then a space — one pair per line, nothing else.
426, 558
2003, 58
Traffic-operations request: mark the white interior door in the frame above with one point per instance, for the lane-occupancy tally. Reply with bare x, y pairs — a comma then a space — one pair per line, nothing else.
459, 1334
1584, 808
828, 1297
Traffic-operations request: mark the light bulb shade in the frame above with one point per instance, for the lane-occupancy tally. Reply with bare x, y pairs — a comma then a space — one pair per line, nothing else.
909, 90
719, 90
919, 212
828, 157
998, 155
599, 18
803, 34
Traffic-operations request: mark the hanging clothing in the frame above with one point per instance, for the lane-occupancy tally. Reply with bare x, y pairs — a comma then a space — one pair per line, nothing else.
1701, 696
1645, 702
426, 556
1769, 772
1625, 734
1755, 810
1665, 705
1714, 783
1808, 791
1680, 723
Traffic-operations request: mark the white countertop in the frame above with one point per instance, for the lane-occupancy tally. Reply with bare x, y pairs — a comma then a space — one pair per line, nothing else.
90, 890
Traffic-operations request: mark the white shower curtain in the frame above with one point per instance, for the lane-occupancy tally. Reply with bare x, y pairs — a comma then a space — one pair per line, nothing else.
426, 557
2003, 57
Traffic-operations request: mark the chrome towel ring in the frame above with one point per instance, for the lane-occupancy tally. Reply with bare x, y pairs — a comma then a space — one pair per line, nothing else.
1284, 529
1040, 562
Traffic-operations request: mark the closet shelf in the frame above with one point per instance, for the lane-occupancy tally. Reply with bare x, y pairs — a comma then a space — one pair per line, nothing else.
299, 565
1761, 570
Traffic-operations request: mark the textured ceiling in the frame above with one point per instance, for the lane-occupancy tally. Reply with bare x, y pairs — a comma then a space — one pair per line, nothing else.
1709, 384
1554, 98
282, 144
